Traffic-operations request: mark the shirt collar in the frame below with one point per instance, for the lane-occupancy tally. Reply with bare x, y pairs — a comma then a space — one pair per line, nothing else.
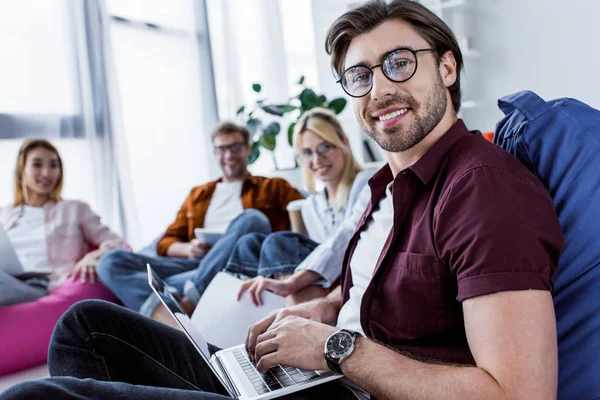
251, 179
427, 166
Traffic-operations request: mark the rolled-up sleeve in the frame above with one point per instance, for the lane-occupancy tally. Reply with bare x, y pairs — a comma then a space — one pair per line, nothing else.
497, 231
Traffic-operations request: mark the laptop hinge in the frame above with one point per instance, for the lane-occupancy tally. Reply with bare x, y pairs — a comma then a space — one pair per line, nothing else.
226, 377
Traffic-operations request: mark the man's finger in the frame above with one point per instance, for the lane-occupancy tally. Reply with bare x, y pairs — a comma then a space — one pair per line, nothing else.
264, 348
258, 329
267, 362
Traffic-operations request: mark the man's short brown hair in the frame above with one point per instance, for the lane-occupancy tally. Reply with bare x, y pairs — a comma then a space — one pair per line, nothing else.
375, 12
228, 127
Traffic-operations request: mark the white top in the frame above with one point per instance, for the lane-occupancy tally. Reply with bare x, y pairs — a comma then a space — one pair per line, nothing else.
225, 205
319, 218
362, 265
327, 258
28, 237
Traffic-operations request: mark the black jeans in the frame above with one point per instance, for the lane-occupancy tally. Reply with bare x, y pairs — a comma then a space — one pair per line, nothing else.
101, 350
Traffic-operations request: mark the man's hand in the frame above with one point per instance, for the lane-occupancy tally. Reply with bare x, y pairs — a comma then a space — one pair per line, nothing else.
321, 310
85, 268
197, 249
256, 286
293, 341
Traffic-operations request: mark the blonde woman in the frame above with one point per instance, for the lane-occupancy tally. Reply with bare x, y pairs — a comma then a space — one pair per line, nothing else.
324, 153
54, 239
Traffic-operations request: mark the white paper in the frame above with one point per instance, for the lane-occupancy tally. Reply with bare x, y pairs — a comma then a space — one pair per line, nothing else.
224, 321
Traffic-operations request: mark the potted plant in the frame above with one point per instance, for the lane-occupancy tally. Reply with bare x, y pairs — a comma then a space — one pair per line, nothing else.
264, 120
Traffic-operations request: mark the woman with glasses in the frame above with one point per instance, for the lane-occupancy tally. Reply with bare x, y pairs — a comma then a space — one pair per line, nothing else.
271, 260
57, 242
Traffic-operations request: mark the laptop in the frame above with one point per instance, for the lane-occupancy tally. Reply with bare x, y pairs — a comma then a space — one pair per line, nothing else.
232, 367
9, 262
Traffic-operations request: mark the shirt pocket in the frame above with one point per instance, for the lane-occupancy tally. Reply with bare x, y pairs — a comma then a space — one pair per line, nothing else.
409, 296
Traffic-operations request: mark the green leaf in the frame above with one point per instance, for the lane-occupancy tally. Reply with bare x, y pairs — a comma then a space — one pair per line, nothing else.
240, 110
252, 125
256, 87
254, 154
286, 108
273, 129
337, 105
309, 99
322, 100
301, 81
291, 133
273, 110
268, 142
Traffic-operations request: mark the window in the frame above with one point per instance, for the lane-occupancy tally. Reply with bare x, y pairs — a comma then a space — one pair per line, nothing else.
40, 87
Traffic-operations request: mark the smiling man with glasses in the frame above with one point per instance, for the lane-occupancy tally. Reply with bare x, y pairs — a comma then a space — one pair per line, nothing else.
236, 204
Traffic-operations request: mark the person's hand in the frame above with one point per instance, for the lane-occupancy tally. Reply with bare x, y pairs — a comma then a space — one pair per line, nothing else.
85, 269
320, 310
197, 249
256, 286
293, 341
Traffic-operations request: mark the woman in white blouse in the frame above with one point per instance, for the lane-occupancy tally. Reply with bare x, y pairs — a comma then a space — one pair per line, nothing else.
324, 152
54, 240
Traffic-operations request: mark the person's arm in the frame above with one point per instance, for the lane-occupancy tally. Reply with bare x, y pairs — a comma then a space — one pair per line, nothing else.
326, 260
94, 231
323, 311
175, 241
512, 336
283, 287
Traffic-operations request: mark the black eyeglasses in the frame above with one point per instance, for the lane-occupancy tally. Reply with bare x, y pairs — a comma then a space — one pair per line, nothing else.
398, 66
323, 150
235, 148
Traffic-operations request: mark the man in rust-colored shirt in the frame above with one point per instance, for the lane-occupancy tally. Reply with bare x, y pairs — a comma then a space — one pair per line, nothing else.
236, 204
446, 285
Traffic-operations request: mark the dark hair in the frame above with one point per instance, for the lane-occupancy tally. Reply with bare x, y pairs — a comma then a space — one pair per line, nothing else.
226, 128
375, 12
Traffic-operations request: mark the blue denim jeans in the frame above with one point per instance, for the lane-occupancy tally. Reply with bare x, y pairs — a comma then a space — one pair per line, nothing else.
126, 275
279, 253
103, 351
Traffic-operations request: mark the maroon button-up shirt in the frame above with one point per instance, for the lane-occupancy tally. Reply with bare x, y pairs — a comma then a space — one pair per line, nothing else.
469, 220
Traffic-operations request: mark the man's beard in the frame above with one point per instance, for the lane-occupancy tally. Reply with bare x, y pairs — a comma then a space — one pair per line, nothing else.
235, 173
398, 138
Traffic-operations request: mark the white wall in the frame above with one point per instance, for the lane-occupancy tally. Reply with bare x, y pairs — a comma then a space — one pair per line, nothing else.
549, 46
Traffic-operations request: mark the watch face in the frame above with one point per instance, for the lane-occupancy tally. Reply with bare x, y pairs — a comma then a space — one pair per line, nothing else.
339, 344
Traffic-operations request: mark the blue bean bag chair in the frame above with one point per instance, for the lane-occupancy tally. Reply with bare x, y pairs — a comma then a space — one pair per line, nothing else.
559, 141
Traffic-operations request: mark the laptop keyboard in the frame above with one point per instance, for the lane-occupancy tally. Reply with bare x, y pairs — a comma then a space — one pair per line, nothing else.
277, 377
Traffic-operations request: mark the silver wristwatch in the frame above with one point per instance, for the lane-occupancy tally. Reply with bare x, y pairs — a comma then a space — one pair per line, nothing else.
338, 347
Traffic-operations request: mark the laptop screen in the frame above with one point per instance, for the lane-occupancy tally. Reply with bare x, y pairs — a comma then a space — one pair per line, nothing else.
182, 318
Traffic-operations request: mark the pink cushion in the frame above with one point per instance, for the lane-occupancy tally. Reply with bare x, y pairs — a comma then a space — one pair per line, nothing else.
25, 328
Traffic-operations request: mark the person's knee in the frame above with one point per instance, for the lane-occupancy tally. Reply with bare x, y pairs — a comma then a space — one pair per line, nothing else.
110, 262
248, 241
278, 241
255, 221
26, 390
84, 308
